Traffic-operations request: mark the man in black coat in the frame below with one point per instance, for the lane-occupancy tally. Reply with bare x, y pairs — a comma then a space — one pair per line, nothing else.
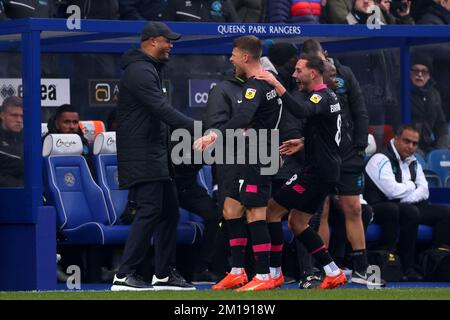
143, 161
201, 11
426, 106
150, 10
11, 143
438, 12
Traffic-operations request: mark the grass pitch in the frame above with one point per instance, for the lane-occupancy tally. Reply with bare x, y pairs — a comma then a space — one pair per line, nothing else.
294, 294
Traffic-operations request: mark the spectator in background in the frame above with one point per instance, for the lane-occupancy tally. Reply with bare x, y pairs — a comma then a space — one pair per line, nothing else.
250, 11
93, 9
336, 11
401, 14
418, 8
361, 11
426, 107
201, 11
283, 55
11, 143
152, 10
398, 192
305, 11
2, 11
278, 11
19, 9
438, 12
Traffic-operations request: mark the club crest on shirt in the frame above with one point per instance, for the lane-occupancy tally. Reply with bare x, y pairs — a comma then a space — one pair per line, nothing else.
250, 93
315, 98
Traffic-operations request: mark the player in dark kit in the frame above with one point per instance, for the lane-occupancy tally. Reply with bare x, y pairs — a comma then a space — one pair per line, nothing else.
305, 192
355, 122
260, 109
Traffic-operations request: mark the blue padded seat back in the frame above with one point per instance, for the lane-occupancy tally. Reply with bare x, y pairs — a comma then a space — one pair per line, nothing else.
421, 160
439, 162
77, 198
108, 180
204, 178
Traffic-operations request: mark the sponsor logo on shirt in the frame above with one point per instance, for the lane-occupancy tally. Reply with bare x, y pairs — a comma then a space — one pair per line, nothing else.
315, 98
250, 93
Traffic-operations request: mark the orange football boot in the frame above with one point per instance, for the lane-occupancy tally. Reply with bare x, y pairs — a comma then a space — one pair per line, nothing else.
257, 285
279, 281
231, 281
333, 282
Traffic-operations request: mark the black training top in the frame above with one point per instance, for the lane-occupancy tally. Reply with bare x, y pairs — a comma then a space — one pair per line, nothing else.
260, 108
322, 131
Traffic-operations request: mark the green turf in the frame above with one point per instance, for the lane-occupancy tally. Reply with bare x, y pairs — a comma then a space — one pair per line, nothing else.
339, 294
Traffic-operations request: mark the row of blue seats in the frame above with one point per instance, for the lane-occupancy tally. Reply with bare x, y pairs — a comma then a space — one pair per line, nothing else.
436, 167
88, 211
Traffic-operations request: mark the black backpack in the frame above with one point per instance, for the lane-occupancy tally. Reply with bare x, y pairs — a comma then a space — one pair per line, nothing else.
389, 263
435, 264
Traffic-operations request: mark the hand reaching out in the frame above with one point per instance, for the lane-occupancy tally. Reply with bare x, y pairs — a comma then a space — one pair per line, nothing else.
292, 146
202, 143
268, 77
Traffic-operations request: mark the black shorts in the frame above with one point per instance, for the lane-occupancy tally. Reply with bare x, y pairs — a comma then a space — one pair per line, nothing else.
244, 183
304, 192
351, 182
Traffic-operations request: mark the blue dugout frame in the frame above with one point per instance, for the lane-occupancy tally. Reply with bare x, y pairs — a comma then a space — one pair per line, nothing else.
31, 37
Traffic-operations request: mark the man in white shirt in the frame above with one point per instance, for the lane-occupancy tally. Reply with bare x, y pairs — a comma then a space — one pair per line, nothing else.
397, 189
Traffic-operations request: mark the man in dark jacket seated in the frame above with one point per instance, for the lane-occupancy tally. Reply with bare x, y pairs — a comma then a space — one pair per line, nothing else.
11, 143
67, 120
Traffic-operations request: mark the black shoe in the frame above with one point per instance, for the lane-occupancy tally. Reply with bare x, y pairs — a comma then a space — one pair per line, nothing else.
130, 282
173, 282
411, 275
364, 279
205, 277
289, 280
310, 282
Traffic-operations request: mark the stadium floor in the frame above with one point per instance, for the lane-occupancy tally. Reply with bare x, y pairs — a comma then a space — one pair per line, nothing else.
392, 285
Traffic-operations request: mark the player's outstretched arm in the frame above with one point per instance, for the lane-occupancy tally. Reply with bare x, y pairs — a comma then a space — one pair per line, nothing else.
292, 146
203, 142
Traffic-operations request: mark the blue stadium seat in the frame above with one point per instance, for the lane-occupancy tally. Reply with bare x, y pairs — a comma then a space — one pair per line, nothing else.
439, 162
421, 160
82, 214
373, 233
105, 159
288, 236
424, 235
205, 179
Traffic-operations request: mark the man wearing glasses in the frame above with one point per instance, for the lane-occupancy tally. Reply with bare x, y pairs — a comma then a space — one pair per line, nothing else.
426, 106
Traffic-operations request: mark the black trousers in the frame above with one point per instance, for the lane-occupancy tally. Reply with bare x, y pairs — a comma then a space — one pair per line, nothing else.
400, 223
156, 215
339, 244
196, 200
